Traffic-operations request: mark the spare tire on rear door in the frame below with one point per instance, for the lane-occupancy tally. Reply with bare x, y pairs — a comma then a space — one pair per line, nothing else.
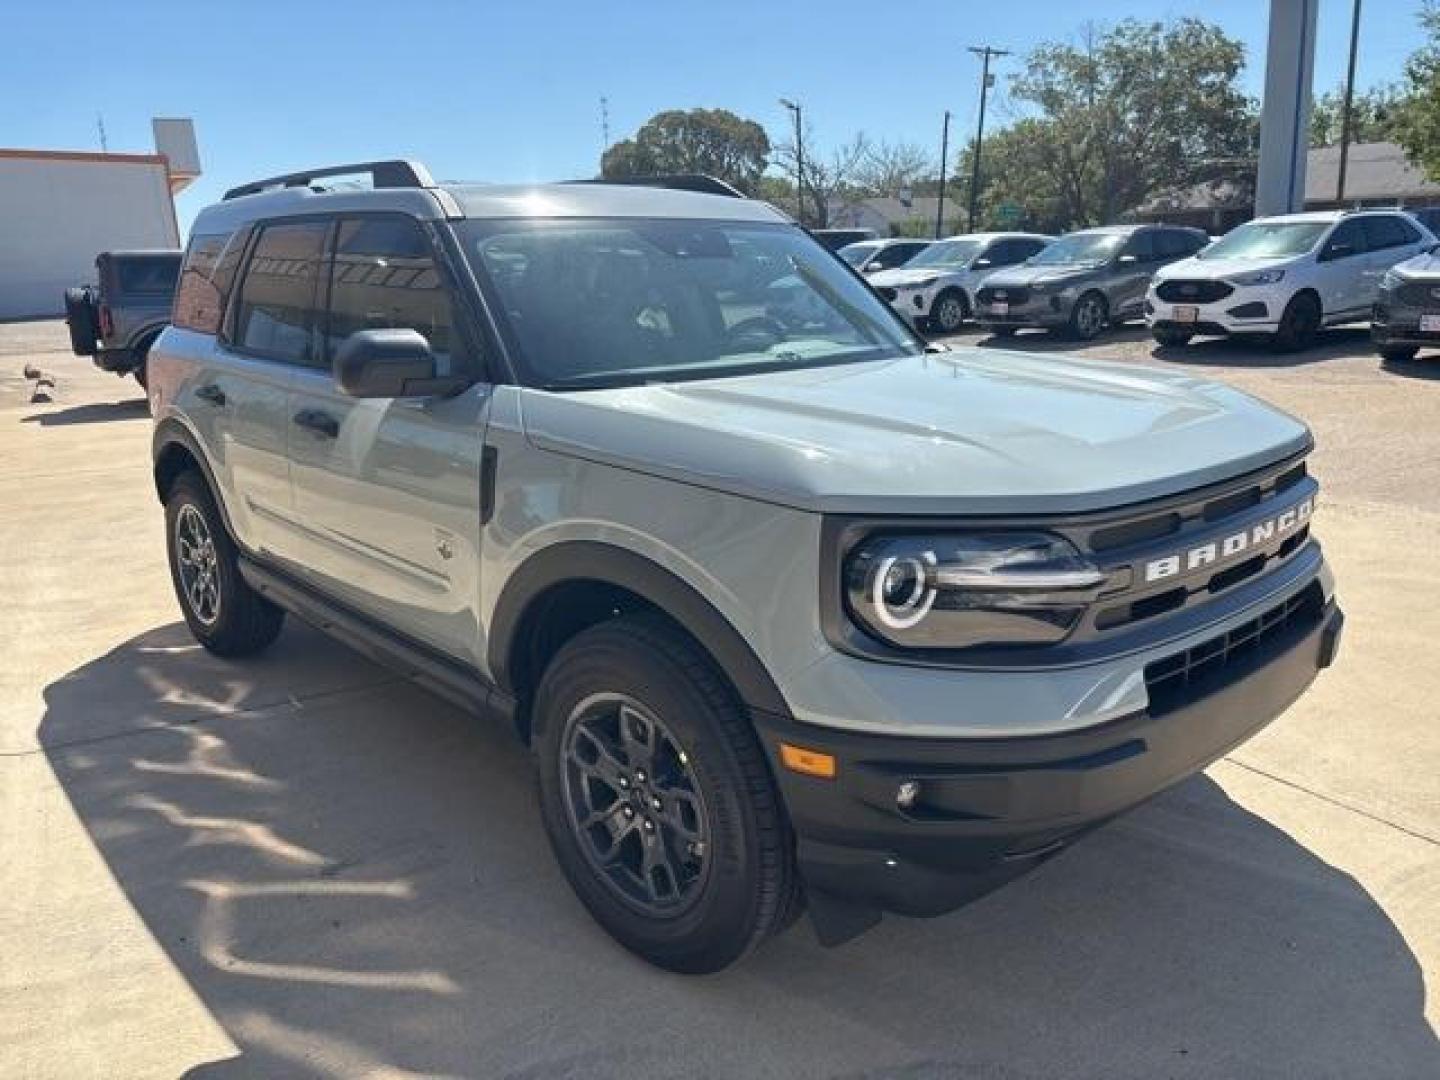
82, 318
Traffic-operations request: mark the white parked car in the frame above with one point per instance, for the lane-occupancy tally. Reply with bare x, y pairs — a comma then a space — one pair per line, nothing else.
873, 256
1284, 276
937, 287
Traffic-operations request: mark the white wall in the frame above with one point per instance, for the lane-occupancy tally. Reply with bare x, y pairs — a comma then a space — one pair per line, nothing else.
57, 214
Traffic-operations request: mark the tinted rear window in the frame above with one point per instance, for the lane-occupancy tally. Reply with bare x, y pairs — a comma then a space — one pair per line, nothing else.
154, 277
205, 279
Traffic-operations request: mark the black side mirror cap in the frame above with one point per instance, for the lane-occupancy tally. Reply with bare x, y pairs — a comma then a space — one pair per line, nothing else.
392, 363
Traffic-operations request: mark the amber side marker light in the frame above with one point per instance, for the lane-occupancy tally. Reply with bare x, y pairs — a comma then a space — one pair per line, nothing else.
807, 762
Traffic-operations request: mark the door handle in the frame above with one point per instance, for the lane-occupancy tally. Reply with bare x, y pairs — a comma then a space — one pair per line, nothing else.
212, 394
321, 423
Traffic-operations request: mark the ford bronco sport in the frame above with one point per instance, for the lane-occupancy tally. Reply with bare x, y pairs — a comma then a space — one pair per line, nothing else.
793, 616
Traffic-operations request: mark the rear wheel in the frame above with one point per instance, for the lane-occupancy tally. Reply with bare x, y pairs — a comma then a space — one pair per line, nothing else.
1299, 324
1398, 354
226, 616
950, 311
1173, 339
657, 799
1087, 318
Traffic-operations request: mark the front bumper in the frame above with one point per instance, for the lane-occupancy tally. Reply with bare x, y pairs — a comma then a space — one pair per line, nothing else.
990, 809
1047, 309
1247, 310
1394, 324
910, 302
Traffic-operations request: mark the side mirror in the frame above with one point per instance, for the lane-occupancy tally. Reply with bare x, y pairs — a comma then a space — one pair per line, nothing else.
388, 364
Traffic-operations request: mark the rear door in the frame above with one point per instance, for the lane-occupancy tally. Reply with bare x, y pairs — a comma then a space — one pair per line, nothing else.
387, 490
1130, 278
1391, 239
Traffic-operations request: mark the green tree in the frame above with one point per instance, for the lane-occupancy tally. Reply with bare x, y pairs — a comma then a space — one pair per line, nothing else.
1373, 115
1129, 110
715, 142
1417, 120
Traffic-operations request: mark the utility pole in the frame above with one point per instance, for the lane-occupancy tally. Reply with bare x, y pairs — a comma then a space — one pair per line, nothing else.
100, 123
798, 114
944, 155
986, 53
604, 123
1349, 98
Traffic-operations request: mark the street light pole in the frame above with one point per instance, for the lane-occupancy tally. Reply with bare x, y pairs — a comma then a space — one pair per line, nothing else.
985, 52
944, 154
1349, 99
797, 113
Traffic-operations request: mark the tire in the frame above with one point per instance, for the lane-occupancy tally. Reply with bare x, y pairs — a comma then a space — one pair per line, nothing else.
226, 616
80, 317
949, 312
1088, 316
1299, 324
142, 355
729, 879
1172, 339
1398, 354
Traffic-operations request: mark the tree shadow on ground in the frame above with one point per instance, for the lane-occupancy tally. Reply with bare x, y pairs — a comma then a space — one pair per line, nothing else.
355, 880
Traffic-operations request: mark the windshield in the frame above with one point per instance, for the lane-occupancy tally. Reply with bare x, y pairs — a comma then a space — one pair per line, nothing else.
1079, 249
1266, 239
947, 253
600, 303
856, 254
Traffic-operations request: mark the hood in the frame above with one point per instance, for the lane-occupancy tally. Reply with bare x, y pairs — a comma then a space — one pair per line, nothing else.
968, 431
1214, 269
905, 275
1038, 275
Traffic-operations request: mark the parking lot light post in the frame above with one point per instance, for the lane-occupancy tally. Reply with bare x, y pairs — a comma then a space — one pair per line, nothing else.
797, 113
1346, 108
944, 154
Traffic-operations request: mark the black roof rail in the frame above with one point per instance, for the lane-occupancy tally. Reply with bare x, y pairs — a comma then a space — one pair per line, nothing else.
383, 174
699, 182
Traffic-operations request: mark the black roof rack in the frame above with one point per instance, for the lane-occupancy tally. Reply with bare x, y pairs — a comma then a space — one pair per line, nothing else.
383, 174
705, 185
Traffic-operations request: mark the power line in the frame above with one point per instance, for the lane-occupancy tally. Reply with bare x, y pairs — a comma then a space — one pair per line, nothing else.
986, 53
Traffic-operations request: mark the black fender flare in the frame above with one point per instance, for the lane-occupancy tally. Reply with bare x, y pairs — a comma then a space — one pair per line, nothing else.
150, 332
586, 560
170, 433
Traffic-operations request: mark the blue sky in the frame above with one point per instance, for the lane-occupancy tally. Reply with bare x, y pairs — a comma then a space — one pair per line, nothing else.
505, 91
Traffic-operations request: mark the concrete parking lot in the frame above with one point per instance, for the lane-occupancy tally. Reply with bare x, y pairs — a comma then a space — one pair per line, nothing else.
300, 866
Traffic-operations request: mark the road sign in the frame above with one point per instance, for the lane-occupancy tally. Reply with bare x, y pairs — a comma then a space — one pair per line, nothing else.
1009, 213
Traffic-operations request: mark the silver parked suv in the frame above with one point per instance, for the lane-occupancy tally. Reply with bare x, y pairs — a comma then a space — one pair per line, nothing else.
798, 614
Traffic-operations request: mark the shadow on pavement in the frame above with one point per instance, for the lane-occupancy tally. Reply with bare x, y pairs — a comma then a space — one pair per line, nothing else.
94, 413
357, 881
1339, 343
1424, 366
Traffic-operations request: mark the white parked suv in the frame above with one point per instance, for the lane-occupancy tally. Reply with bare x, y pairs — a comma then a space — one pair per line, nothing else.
937, 287
1284, 276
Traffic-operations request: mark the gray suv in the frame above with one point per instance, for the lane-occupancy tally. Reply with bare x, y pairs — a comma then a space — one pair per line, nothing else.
801, 615
1084, 281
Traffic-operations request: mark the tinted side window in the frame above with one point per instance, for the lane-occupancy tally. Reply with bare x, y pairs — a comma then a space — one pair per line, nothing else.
1005, 253
1174, 244
147, 276
384, 277
1349, 233
1029, 248
1385, 232
277, 297
1412, 234
1142, 245
205, 279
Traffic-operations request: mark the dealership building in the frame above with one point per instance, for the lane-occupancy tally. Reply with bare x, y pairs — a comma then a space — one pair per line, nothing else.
60, 208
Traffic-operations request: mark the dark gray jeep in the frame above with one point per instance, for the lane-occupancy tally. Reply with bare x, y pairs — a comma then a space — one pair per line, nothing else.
116, 321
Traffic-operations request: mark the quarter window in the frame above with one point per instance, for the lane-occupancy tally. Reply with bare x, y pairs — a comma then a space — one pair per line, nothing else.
205, 279
277, 299
384, 277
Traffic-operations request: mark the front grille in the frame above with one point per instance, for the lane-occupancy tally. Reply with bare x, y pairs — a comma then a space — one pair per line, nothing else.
886, 293
1182, 291
1421, 294
1005, 294
1187, 676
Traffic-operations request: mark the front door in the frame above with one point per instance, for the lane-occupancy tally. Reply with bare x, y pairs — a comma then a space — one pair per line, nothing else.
387, 490
1340, 271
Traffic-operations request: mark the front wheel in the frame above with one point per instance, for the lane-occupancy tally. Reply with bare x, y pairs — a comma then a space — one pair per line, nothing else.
224, 614
950, 312
657, 799
1299, 324
1088, 316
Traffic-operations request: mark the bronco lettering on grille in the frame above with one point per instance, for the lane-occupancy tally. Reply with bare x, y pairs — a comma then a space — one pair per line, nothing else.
1229, 546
